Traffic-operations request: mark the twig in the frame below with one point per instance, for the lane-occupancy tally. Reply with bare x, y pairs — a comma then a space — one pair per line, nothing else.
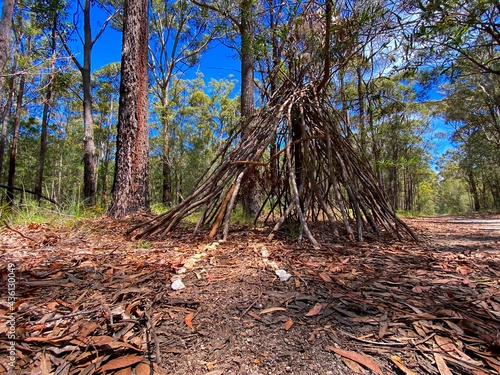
154, 337
74, 314
252, 305
18, 232
374, 342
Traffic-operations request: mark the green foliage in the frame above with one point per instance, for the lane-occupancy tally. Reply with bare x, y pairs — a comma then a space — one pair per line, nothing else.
200, 116
31, 211
144, 244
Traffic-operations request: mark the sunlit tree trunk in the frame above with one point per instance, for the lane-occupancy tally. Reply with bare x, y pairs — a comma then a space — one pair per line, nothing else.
5, 26
167, 160
89, 170
473, 190
249, 193
130, 187
45, 117
107, 157
15, 141
5, 120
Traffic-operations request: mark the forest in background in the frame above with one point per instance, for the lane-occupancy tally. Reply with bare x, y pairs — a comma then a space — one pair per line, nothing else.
397, 68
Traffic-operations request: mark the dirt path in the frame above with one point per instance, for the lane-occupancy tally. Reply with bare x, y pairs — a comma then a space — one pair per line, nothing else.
90, 300
461, 233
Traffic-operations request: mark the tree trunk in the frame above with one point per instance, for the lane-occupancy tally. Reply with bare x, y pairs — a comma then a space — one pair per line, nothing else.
15, 142
5, 26
45, 117
5, 121
361, 106
166, 161
89, 170
130, 187
249, 193
107, 157
473, 191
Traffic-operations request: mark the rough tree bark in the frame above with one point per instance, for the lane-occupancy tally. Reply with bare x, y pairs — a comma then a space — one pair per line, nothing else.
45, 116
15, 141
130, 187
249, 192
5, 25
89, 174
5, 121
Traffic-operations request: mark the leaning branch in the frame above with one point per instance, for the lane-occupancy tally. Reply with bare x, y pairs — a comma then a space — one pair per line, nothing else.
30, 192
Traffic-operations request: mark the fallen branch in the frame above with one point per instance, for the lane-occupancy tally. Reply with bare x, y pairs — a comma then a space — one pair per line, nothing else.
30, 192
18, 232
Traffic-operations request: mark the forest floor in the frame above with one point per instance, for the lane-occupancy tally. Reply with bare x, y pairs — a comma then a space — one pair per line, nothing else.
89, 300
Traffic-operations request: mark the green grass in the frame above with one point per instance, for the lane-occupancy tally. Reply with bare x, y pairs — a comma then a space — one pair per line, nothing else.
30, 212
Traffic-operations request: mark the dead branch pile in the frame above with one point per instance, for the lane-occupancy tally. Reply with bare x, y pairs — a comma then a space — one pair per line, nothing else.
317, 175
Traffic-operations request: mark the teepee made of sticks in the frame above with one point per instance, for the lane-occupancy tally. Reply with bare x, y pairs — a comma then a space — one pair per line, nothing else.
317, 176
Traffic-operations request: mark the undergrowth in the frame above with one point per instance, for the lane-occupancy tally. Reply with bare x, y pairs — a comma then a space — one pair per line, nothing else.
31, 212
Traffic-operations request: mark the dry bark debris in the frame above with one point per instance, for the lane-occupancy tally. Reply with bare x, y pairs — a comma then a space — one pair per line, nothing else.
90, 301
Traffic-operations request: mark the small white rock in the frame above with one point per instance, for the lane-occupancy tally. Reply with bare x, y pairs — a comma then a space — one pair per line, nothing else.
283, 275
177, 285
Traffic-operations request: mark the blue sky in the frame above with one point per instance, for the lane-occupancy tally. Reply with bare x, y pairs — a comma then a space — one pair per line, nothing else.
218, 62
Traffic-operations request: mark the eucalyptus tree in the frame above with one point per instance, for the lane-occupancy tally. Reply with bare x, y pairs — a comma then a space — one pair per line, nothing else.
106, 88
131, 182
5, 41
84, 35
180, 33
64, 167
24, 38
202, 115
238, 24
476, 131
5, 27
399, 125
48, 16
444, 30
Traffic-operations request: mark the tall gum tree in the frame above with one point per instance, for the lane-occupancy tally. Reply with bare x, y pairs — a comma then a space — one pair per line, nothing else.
130, 187
240, 19
179, 32
5, 27
89, 174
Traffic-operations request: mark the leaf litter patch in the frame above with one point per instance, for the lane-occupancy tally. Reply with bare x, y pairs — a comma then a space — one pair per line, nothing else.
90, 301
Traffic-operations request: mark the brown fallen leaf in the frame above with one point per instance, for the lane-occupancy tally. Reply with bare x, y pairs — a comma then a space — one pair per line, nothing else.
121, 362
143, 369
254, 315
315, 310
89, 328
355, 367
288, 324
189, 320
384, 325
124, 371
325, 277
441, 365
397, 361
297, 282
272, 309
45, 366
360, 358
479, 372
